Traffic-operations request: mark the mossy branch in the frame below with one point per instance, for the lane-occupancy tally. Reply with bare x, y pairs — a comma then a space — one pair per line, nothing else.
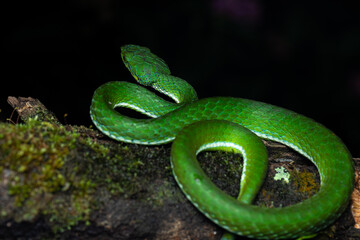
73, 182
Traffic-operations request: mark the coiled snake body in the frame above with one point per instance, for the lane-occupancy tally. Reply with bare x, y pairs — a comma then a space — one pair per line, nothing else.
230, 124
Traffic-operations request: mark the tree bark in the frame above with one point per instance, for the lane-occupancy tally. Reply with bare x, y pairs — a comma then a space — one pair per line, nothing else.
96, 188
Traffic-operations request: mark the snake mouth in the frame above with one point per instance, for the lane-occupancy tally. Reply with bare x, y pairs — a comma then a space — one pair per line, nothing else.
123, 58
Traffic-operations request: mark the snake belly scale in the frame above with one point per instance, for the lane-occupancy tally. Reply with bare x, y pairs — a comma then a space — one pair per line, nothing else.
219, 123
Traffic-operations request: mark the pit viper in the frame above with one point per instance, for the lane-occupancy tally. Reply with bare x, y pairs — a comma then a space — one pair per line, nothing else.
228, 124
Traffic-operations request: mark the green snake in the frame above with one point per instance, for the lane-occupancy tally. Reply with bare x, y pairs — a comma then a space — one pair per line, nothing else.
229, 124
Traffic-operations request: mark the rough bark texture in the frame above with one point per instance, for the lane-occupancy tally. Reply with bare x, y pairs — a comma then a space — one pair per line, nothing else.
96, 188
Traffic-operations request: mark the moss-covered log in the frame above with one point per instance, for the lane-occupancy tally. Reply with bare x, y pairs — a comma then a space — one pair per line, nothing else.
69, 182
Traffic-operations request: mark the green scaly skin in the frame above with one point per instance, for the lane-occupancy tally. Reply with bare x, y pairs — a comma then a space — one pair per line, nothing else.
227, 115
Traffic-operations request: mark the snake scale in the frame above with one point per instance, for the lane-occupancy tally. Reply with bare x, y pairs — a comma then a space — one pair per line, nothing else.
229, 124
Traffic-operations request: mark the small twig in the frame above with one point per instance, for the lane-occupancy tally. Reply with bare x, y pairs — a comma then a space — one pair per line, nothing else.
29, 108
11, 116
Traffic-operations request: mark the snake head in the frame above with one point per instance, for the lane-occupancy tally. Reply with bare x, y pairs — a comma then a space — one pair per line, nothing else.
144, 66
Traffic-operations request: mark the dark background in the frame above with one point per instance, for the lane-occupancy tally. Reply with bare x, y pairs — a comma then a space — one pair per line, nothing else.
298, 55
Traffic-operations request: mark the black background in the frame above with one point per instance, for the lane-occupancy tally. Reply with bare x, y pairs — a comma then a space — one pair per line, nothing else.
298, 55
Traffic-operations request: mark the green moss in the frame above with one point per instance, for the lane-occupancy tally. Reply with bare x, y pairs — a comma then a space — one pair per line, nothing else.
161, 191
57, 172
224, 169
35, 153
